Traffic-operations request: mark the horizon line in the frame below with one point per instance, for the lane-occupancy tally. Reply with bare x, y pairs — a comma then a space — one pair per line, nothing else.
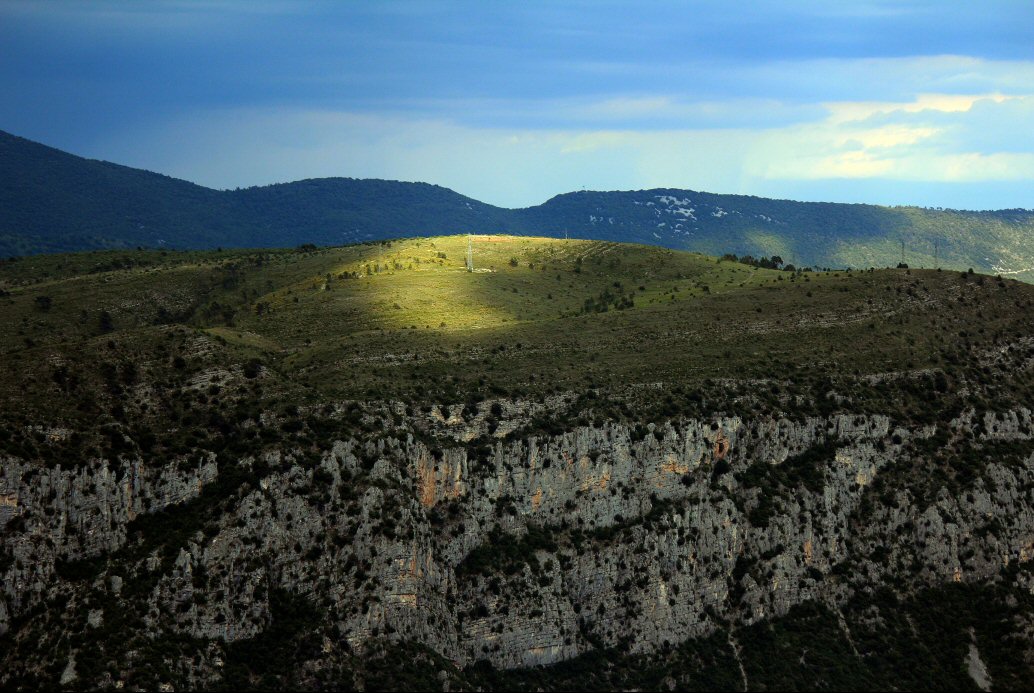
556, 195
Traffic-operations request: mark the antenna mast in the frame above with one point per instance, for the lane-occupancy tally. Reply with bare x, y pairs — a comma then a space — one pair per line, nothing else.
470, 254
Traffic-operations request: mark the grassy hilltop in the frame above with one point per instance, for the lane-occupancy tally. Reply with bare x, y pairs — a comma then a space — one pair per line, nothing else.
112, 343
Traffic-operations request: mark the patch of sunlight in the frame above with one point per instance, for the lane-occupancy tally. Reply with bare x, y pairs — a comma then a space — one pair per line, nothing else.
460, 300
770, 244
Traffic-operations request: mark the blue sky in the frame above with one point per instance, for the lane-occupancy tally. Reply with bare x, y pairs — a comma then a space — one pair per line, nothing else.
928, 103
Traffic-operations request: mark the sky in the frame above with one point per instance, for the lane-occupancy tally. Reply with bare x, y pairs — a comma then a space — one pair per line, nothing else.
911, 102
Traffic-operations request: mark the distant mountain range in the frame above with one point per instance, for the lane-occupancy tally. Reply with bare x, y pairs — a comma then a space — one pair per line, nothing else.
52, 201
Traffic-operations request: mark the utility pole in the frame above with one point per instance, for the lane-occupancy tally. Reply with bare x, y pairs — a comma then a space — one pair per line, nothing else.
902, 251
470, 254
936, 253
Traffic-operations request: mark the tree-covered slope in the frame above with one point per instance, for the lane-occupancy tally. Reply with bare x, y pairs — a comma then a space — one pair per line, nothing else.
822, 234
54, 201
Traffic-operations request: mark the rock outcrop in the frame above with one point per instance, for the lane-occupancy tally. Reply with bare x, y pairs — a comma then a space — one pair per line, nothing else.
534, 549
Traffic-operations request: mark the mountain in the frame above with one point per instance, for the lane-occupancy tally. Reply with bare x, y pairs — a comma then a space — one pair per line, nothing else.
821, 234
55, 202
582, 464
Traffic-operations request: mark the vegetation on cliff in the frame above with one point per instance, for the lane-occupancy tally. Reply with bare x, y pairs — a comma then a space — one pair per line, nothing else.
259, 360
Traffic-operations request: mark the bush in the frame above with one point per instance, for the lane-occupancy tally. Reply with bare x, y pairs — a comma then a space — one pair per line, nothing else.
252, 368
105, 323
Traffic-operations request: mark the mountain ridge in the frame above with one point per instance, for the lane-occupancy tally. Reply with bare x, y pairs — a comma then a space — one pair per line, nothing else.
57, 202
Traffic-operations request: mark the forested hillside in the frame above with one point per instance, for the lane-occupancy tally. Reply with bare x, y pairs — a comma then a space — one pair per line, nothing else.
55, 202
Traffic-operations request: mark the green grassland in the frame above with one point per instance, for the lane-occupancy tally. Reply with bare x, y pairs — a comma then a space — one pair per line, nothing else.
181, 349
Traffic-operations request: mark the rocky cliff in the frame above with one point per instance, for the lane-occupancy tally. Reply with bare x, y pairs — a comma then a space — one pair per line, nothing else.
490, 541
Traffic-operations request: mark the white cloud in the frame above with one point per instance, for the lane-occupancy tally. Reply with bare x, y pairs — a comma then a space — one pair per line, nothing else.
875, 79
850, 111
930, 138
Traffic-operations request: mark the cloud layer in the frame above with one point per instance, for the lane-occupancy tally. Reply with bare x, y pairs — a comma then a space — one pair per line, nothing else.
904, 102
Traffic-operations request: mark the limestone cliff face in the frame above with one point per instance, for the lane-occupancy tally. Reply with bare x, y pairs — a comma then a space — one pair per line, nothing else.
50, 515
536, 549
